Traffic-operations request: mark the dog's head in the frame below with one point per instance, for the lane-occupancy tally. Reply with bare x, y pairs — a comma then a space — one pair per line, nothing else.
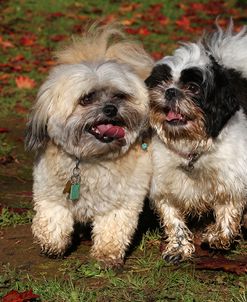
93, 105
193, 93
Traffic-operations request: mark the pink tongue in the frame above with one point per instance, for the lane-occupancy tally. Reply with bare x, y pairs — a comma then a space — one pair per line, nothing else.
111, 131
173, 116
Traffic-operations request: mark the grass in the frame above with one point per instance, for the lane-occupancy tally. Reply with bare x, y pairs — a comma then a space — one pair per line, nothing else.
5, 147
145, 277
9, 218
163, 284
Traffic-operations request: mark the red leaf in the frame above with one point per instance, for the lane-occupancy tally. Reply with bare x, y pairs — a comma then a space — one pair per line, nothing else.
163, 20
24, 82
15, 296
184, 22
4, 130
5, 44
131, 31
54, 15
197, 7
17, 58
28, 40
157, 55
143, 31
57, 38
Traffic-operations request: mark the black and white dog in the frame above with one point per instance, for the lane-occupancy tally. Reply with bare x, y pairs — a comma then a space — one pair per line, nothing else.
199, 151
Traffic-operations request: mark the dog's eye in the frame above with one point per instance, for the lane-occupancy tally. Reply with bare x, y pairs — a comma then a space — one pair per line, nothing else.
120, 96
193, 87
87, 99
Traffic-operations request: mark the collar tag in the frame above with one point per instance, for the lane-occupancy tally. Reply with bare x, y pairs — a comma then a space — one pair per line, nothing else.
72, 186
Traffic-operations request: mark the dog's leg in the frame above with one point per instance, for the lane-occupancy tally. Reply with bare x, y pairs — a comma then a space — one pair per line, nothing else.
226, 228
178, 237
112, 234
52, 228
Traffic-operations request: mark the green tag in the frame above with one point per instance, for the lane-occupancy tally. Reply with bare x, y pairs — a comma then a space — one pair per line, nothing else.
144, 146
74, 192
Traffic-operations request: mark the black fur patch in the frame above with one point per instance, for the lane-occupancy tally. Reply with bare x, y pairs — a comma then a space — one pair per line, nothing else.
160, 73
222, 99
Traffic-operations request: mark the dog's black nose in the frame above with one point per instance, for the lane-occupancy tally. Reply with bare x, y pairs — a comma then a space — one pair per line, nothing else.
110, 110
171, 93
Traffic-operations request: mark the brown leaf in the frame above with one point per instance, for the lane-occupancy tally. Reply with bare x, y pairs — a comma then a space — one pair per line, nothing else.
8, 159
128, 7
221, 263
24, 82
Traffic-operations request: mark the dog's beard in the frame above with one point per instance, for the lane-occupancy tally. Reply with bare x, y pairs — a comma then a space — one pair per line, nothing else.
181, 120
88, 133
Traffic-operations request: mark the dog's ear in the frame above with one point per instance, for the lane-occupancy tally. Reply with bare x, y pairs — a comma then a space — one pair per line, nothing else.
36, 135
223, 101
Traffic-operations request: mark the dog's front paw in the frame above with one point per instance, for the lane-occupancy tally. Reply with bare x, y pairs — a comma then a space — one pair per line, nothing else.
53, 252
109, 263
175, 253
107, 260
217, 239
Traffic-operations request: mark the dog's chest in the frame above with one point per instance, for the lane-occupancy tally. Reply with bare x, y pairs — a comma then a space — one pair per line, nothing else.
107, 186
188, 188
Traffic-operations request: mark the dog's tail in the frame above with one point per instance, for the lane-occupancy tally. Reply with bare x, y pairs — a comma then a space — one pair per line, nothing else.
100, 43
229, 49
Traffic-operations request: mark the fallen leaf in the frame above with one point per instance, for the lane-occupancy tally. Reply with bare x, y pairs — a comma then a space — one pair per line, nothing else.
183, 22
17, 59
126, 7
54, 15
238, 267
143, 31
4, 130
163, 20
4, 160
15, 296
24, 82
128, 22
157, 55
57, 38
28, 40
14, 210
5, 44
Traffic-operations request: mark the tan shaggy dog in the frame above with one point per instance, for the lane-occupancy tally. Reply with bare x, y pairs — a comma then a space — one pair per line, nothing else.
87, 125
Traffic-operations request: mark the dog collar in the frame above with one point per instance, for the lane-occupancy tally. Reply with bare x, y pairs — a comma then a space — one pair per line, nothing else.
191, 157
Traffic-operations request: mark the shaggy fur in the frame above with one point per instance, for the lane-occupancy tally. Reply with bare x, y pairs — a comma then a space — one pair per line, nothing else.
198, 111
97, 83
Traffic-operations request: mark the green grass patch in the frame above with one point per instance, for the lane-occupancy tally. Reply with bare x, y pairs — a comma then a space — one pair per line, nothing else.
10, 218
